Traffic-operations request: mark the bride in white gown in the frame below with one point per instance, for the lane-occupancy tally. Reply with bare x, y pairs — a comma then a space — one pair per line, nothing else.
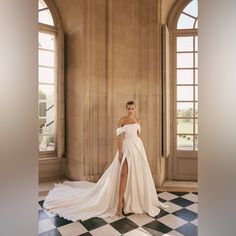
127, 184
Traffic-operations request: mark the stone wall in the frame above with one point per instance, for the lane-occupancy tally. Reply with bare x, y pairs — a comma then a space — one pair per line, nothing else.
113, 54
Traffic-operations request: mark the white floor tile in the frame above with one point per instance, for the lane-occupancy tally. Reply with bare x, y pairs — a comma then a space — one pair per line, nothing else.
167, 196
172, 221
191, 197
72, 229
193, 207
49, 214
195, 222
172, 207
105, 230
173, 233
138, 232
141, 219
163, 206
45, 225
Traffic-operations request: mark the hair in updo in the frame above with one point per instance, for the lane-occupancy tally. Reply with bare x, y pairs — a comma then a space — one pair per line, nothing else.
130, 103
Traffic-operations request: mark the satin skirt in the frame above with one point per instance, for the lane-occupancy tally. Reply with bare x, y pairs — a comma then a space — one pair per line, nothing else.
81, 200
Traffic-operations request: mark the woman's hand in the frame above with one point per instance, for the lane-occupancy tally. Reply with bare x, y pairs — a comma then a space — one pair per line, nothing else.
120, 156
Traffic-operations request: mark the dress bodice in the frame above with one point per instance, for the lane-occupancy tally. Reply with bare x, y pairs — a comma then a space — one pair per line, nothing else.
130, 130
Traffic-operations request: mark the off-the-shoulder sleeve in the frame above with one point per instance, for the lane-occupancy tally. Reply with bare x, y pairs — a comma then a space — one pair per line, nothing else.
119, 130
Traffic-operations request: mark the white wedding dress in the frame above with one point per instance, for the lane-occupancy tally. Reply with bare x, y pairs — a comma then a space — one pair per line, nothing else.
80, 200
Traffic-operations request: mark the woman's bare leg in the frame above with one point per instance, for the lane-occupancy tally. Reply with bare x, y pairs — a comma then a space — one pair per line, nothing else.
123, 180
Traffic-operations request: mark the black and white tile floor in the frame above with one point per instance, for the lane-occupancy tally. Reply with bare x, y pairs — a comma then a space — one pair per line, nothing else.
178, 219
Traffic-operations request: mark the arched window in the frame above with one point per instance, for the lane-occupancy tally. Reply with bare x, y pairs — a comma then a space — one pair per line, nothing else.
48, 59
188, 18
44, 14
180, 37
186, 78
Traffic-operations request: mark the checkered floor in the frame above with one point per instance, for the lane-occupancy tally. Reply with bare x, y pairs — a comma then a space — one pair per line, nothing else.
179, 218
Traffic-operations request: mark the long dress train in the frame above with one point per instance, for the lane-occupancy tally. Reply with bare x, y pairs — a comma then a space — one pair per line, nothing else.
81, 200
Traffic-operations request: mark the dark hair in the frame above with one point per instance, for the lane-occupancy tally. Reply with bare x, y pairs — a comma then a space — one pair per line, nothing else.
130, 103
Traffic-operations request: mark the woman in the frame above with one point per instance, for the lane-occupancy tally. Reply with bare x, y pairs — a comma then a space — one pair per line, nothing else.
127, 184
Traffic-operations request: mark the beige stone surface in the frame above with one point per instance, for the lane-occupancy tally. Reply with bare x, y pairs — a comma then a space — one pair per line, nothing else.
112, 55
165, 9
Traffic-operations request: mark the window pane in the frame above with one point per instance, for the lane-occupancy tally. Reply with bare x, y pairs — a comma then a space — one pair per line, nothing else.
196, 43
47, 126
184, 43
46, 142
50, 114
196, 60
184, 93
184, 60
41, 4
46, 92
184, 109
184, 76
196, 109
196, 76
184, 142
46, 58
42, 109
46, 41
185, 126
185, 22
41, 124
192, 8
50, 126
196, 142
196, 93
196, 126
46, 75
45, 17
49, 120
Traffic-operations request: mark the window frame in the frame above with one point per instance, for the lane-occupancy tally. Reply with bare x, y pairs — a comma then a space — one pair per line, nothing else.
44, 28
174, 33
193, 85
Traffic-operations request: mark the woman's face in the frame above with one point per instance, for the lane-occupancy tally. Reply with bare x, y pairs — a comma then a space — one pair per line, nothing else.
130, 109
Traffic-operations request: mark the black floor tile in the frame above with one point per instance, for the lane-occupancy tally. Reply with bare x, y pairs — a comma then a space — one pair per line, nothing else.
157, 226
179, 193
41, 203
59, 221
181, 202
188, 230
93, 223
161, 199
86, 234
124, 225
186, 214
161, 214
128, 214
53, 232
